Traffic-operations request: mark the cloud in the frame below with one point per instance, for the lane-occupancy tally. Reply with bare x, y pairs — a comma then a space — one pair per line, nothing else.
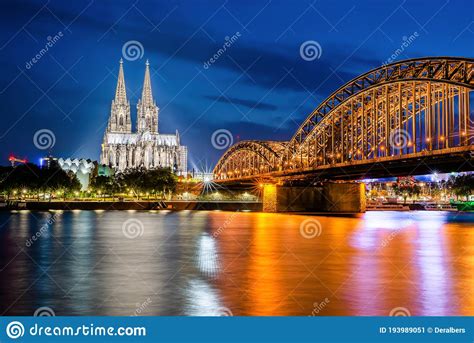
252, 104
273, 64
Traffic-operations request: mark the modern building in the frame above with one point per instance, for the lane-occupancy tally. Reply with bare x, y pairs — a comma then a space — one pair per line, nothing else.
82, 168
123, 149
48, 161
104, 170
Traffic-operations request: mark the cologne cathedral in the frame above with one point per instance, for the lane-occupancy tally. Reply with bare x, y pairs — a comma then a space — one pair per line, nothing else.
123, 149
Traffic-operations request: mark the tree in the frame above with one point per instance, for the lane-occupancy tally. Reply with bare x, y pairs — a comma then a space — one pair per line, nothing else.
34, 179
161, 180
406, 187
152, 181
132, 180
104, 184
462, 185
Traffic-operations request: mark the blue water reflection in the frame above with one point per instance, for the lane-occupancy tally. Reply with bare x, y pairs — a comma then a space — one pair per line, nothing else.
221, 263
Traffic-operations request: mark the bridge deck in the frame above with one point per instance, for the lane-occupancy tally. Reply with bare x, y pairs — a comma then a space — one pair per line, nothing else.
447, 160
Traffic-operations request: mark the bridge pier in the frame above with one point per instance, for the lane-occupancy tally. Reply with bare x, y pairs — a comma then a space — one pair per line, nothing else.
270, 198
347, 197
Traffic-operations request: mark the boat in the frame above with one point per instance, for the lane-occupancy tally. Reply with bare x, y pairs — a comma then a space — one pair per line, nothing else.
372, 206
465, 206
441, 207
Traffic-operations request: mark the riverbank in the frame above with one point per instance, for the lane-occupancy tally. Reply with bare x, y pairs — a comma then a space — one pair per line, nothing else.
180, 205
134, 205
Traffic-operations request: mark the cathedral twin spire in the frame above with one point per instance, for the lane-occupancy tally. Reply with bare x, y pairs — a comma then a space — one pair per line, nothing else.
147, 96
147, 111
121, 91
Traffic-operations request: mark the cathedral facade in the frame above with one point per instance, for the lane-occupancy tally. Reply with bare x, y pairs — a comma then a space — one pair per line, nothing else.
123, 149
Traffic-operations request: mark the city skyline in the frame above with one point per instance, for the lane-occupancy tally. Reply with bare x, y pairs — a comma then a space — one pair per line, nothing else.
260, 88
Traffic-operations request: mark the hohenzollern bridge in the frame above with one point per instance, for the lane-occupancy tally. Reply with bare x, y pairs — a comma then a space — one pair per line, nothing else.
406, 118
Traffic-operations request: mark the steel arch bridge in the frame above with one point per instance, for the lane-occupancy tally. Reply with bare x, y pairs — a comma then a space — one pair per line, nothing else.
399, 114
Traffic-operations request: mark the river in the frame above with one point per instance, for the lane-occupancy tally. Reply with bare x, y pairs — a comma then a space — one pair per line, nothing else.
236, 263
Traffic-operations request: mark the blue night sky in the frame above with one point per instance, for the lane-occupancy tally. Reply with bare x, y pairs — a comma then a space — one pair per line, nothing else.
260, 88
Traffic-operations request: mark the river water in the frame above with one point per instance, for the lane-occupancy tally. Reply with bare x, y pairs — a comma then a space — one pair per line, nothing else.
236, 263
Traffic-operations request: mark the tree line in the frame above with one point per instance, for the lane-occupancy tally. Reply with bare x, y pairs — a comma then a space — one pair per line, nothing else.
31, 179
158, 181
461, 186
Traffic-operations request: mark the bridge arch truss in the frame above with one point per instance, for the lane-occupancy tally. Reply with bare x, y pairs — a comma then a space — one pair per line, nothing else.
247, 158
413, 107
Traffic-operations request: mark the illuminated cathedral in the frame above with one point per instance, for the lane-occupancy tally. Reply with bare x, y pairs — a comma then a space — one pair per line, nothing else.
123, 149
